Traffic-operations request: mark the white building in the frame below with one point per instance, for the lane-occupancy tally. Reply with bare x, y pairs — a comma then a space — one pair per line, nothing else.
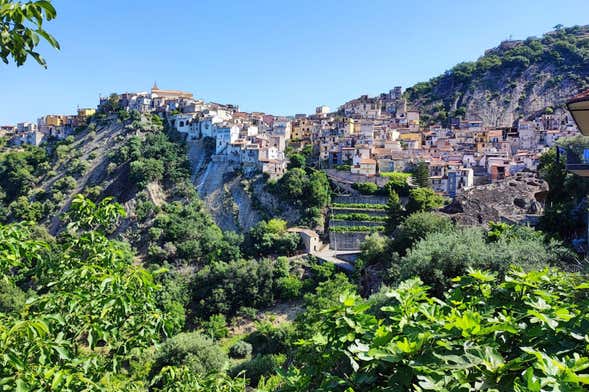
225, 135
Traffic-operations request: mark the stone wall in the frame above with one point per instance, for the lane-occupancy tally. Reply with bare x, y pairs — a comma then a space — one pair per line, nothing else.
346, 241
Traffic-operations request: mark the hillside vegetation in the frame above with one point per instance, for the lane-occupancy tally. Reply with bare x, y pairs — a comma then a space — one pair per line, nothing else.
517, 79
114, 276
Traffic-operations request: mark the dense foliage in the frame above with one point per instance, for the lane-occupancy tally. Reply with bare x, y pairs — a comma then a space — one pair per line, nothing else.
22, 29
424, 199
308, 190
271, 237
564, 215
89, 305
440, 256
525, 332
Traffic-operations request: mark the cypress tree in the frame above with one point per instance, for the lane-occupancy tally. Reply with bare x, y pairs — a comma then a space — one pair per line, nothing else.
394, 212
421, 175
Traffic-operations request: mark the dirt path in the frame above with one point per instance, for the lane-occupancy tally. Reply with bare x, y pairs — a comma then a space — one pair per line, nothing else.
277, 315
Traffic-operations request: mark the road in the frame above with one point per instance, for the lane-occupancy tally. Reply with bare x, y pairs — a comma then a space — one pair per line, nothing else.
330, 256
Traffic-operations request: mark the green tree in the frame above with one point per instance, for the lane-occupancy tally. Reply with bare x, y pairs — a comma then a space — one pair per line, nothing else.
199, 353
271, 237
374, 248
421, 174
92, 306
398, 182
318, 193
297, 160
417, 226
565, 191
22, 29
12, 297
310, 190
423, 199
293, 184
148, 170
395, 212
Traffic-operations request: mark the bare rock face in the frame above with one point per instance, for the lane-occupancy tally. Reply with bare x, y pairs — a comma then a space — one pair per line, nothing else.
518, 199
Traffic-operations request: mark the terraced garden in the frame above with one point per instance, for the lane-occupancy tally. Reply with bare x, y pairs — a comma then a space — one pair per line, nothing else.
353, 218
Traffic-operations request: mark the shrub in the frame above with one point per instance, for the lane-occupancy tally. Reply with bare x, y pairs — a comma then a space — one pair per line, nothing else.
198, 352
145, 209
441, 256
77, 167
110, 169
240, 349
366, 188
247, 312
12, 298
424, 199
216, 327
270, 339
417, 226
65, 184
260, 365
289, 287
93, 192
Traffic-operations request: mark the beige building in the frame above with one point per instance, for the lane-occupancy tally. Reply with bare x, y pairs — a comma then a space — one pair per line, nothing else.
366, 167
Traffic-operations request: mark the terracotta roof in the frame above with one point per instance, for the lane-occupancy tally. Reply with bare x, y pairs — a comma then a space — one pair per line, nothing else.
368, 161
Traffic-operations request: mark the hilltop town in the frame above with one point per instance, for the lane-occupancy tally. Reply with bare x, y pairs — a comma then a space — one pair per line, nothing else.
433, 238
365, 139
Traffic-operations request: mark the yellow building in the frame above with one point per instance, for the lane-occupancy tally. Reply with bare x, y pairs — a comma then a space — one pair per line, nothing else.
410, 136
83, 115
54, 120
87, 112
301, 129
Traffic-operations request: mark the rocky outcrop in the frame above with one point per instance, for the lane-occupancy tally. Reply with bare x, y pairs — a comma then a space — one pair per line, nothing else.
517, 79
518, 199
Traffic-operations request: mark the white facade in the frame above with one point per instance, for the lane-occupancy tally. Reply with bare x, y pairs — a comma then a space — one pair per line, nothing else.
225, 135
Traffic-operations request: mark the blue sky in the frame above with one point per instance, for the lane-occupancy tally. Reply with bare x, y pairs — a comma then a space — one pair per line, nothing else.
281, 57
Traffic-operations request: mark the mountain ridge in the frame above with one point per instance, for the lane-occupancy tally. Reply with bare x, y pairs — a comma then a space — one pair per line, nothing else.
517, 79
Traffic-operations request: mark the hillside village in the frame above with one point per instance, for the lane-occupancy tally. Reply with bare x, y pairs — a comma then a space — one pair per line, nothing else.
363, 140
433, 238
